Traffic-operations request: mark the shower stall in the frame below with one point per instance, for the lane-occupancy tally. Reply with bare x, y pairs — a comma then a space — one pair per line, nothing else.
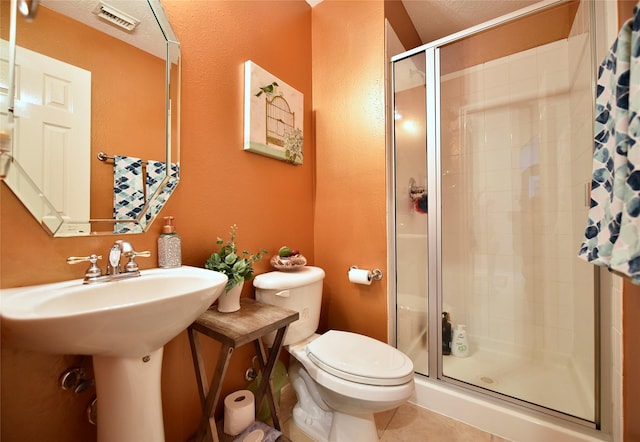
492, 142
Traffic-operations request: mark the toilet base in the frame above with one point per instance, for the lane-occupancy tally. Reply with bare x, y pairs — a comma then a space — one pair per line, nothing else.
307, 414
315, 418
349, 428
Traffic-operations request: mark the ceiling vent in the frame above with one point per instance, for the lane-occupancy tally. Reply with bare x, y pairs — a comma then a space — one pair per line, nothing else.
116, 17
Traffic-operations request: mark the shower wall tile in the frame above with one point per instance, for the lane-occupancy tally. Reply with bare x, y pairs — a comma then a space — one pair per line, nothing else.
498, 96
502, 330
515, 152
497, 132
498, 200
523, 65
451, 87
500, 180
498, 159
552, 57
496, 74
525, 139
473, 83
552, 83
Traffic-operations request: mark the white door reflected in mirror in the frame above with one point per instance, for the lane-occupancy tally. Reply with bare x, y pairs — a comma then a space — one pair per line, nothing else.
52, 130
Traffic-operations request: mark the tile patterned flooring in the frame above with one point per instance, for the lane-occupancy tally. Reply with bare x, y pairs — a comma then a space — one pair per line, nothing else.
407, 423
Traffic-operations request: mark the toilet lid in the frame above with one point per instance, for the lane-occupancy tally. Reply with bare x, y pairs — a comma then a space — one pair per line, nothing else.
361, 359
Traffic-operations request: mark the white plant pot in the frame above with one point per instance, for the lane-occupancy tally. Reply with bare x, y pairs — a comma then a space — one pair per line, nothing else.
230, 301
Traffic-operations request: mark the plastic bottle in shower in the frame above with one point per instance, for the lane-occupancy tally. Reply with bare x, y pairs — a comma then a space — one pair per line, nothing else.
460, 345
446, 334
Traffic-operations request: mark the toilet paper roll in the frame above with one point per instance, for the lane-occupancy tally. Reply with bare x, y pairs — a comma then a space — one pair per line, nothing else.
359, 276
239, 411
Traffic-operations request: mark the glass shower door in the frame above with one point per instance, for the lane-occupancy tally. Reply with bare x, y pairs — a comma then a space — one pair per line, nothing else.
411, 200
515, 155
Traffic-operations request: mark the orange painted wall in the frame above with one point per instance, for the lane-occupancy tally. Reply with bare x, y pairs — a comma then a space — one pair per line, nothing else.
349, 112
271, 201
543, 27
401, 23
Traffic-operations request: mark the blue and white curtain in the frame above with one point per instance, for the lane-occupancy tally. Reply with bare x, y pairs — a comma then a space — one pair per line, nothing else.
612, 236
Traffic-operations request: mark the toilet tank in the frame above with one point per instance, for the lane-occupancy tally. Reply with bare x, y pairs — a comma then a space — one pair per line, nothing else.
299, 290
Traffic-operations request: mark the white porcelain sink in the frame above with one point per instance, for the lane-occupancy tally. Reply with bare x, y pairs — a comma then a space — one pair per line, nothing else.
129, 317
124, 325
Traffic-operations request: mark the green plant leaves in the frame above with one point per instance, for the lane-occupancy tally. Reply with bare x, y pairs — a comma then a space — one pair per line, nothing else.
227, 261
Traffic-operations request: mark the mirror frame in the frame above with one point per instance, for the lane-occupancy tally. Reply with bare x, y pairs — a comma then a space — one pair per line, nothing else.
55, 224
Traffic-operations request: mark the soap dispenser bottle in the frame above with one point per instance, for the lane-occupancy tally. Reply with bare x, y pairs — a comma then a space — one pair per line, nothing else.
169, 247
460, 346
446, 334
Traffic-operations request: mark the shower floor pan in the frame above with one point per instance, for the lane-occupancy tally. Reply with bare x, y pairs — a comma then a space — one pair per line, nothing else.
553, 385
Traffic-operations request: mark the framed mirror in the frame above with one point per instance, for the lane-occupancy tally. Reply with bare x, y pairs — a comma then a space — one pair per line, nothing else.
93, 145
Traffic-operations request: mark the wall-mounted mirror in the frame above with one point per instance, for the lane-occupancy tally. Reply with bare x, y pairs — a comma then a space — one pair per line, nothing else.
94, 146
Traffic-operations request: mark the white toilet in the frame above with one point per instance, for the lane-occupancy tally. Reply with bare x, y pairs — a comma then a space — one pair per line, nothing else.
341, 378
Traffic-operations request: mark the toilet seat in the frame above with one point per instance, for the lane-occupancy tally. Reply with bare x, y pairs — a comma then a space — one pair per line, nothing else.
359, 358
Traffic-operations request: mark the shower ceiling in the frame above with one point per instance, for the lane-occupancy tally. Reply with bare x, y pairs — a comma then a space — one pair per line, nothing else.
434, 19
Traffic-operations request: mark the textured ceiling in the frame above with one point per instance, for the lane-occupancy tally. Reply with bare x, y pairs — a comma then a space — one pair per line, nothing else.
434, 19
147, 36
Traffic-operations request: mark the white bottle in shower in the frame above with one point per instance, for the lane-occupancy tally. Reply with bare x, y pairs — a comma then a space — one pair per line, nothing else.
460, 344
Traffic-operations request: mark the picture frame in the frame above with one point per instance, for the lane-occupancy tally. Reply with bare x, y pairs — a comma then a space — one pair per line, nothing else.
273, 116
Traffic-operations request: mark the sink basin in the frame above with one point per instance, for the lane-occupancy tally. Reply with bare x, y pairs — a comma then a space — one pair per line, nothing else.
129, 317
124, 325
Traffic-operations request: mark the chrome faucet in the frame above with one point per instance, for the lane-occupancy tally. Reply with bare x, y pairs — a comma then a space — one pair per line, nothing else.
114, 271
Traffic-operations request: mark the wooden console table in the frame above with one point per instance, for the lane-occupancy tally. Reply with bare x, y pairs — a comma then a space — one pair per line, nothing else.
250, 323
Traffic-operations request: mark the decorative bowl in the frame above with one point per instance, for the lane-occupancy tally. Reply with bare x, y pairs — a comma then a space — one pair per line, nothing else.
288, 263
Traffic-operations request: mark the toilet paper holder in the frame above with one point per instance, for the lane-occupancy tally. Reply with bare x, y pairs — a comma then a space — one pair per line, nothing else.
375, 274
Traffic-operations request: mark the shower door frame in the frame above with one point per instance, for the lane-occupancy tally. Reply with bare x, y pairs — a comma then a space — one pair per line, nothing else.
434, 225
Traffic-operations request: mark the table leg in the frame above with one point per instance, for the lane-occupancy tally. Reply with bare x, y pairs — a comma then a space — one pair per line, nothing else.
266, 365
198, 363
207, 429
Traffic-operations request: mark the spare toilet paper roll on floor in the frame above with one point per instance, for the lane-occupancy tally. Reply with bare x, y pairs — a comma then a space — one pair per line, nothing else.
239, 411
359, 276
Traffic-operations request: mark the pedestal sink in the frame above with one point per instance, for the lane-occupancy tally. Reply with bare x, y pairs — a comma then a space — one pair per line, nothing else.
124, 325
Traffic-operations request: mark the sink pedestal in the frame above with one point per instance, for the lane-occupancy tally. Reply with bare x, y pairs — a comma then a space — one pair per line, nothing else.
129, 398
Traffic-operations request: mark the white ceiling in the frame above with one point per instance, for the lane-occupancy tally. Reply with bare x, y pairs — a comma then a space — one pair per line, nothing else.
434, 19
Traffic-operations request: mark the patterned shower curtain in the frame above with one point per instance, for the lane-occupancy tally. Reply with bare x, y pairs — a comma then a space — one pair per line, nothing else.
612, 236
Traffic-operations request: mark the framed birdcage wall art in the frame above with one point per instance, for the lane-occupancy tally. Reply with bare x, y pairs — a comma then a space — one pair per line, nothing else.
273, 116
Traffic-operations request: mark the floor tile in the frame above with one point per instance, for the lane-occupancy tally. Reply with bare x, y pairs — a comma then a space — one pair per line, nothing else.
407, 423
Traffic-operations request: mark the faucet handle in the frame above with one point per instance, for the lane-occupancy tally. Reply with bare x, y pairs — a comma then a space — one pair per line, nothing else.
77, 259
132, 265
93, 271
144, 254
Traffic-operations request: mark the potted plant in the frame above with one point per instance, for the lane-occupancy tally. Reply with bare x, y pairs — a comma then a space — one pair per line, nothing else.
237, 266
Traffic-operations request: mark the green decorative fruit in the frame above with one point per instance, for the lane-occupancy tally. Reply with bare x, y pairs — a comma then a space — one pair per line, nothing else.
284, 252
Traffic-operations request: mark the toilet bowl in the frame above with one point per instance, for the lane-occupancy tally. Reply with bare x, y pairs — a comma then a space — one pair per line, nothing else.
341, 378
